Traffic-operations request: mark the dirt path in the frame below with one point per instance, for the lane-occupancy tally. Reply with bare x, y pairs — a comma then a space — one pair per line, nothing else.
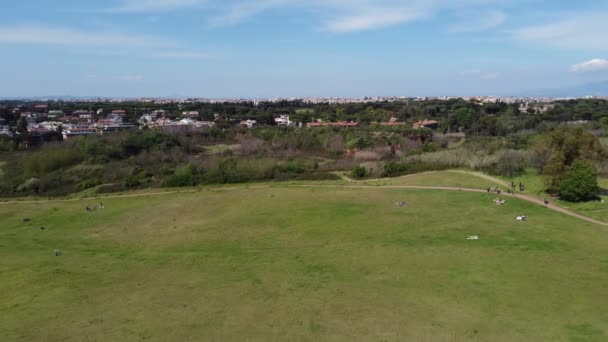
145, 194
484, 176
525, 197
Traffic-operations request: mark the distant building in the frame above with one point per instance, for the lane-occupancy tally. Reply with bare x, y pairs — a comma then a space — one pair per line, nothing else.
283, 121
341, 124
249, 123
72, 132
432, 124
50, 125
191, 114
54, 113
393, 122
6, 131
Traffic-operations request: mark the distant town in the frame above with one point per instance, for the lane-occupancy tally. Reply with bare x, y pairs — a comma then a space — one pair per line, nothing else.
49, 120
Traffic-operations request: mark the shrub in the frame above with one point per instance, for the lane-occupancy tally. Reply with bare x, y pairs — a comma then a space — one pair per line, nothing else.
359, 172
367, 156
579, 183
509, 163
51, 159
87, 184
184, 176
394, 169
132, 182
32, 184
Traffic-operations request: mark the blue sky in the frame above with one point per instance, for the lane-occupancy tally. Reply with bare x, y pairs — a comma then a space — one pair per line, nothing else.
289, 48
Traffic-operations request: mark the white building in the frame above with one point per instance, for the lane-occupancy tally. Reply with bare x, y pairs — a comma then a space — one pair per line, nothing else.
6, 131
283, 121
50, 125
190, 114
249, 123
55, 113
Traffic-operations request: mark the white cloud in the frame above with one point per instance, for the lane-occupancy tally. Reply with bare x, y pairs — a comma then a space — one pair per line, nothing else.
484, 21
375, 20
114, 77
596, 64
182, 55
142, 6
587, 31
128, 78
58, 36
358, 15
490, 76
242, 10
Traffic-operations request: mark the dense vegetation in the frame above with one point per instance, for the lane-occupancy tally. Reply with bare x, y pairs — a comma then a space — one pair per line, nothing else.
495, 138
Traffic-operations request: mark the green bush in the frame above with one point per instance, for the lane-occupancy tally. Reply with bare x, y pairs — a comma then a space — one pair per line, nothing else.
359, 172
579, 183
394, 169
184, 176
50, 159
87, 184
132, 182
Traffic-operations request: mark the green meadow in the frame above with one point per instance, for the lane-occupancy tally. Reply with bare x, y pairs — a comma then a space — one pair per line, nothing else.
300, 264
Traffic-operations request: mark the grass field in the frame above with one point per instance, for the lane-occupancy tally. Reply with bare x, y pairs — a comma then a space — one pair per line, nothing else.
305, 111
286, 263
438, 178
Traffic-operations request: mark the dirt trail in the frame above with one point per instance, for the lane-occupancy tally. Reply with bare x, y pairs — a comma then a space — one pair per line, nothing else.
484, 176
525, 197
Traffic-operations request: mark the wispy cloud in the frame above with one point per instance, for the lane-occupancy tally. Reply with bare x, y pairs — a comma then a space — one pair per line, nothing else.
358, 15
482, 22
596, 64
126, 78
129, 78
373, 20
337, 16
490, 76
143, 6
182, 55
100, 42
60, 36
587, 31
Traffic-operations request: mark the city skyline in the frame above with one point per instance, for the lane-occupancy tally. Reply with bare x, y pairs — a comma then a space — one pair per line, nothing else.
292, 48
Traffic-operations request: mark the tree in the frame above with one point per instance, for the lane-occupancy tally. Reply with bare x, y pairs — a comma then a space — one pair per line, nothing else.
22, 130
359, 172
567, 146
579, 183
509, 163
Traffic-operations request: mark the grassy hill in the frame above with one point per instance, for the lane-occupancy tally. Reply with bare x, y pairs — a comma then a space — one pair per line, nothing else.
287, 263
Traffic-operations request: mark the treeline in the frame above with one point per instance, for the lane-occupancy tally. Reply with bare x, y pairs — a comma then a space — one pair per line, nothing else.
456, 115
569, 159
152, 158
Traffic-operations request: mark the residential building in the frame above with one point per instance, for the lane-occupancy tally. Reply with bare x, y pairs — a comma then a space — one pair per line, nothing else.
72, 132
54, 114
6, 131
341, 124
249, 123
191, 114
432, 124
283, 121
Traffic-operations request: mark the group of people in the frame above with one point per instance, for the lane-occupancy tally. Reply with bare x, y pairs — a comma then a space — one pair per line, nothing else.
499, 201
495, 189
522, 187
100, 206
